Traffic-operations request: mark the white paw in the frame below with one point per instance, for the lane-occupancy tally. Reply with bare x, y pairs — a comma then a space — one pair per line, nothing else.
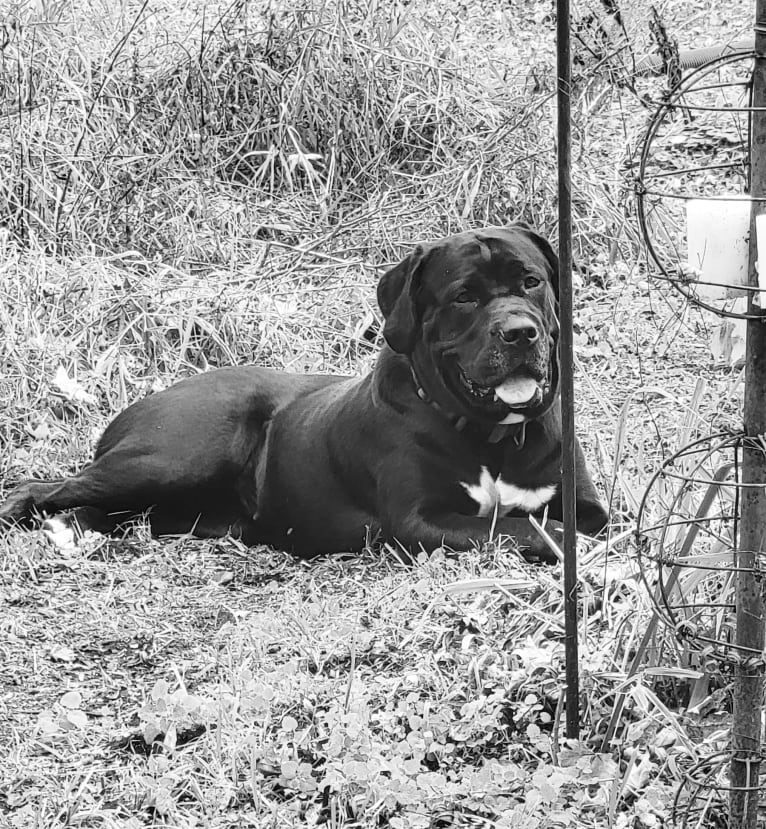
60, 533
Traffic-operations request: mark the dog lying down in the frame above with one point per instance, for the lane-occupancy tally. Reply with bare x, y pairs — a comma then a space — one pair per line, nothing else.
456, 431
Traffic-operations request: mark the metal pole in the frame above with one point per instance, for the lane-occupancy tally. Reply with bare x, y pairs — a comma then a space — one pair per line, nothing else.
748, 674
566, 349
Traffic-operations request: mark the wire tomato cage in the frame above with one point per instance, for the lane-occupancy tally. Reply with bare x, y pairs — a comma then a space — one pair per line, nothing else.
701, 800
696, 148
695, 156
688, 528
692, 188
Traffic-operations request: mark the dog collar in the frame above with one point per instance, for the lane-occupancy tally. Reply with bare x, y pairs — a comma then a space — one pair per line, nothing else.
515, 428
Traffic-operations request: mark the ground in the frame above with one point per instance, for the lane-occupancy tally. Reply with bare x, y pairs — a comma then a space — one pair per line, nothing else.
156, 228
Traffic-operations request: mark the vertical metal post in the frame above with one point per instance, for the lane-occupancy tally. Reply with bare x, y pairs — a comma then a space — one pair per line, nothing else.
564, 69
748, 675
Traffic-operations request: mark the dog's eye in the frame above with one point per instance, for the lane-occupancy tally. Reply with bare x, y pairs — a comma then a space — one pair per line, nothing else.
464, 297
531, 282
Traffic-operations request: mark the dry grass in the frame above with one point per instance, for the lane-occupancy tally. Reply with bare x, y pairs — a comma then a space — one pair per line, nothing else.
181, 192
178, 150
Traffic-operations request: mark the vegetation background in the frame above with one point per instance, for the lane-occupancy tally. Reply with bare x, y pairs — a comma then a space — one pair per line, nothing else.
192, 184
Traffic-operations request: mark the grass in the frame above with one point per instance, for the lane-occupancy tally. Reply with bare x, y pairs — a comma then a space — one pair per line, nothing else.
179, 155
181, 191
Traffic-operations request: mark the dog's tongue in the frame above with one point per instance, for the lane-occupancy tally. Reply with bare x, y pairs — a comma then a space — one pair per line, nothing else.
517, 391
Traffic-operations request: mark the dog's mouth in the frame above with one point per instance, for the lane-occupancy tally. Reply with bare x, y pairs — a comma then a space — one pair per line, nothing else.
483, 394
518, 392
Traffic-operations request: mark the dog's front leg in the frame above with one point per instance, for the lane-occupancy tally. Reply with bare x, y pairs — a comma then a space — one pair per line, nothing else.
417, 530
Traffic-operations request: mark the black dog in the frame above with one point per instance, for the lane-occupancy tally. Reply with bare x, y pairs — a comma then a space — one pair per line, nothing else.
456, 430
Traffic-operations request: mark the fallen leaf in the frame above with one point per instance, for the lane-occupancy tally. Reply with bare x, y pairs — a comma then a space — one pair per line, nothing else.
72, 699
72, 389
62, 653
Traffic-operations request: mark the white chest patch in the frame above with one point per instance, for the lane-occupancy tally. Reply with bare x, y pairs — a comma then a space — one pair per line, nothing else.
494, 493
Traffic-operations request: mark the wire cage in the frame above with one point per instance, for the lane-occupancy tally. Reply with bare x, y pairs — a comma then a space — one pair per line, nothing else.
692, 187
702, 799
695, 155
688, 536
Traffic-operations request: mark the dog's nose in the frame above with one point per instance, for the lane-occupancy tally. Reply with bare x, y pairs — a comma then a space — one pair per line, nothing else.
519, 331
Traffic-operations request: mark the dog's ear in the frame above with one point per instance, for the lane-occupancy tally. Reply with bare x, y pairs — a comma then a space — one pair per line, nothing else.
545, 248
397, 293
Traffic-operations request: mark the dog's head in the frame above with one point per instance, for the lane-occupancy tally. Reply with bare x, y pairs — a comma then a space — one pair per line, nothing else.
477, 315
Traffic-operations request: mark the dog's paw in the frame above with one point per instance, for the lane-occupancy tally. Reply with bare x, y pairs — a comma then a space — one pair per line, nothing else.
61, 531
68, 530
537, 549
